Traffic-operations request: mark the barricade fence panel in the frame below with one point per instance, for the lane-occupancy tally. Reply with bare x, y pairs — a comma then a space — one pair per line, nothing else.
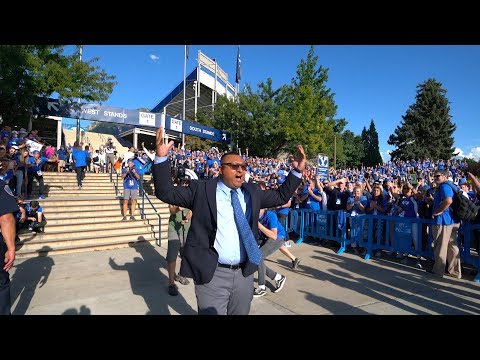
411, 236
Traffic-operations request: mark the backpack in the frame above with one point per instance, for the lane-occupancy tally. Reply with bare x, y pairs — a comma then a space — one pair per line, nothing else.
463, 208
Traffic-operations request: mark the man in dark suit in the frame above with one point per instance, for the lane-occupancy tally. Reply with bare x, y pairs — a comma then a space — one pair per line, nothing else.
214, 254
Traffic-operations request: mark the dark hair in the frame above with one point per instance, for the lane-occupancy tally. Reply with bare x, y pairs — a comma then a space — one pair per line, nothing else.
228, 153
34, 203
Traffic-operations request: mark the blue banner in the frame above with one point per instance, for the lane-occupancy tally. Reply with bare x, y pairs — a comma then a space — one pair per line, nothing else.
195, 129
93, 112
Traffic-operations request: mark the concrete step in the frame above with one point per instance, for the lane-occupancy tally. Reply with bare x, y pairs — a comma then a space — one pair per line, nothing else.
74, 186
93, 207
109, 222
87, 243
74, 217
61, 178
130, 227
49, 251
75, 193
74, 175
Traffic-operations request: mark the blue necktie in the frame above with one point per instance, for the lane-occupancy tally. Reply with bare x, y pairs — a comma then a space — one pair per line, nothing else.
245, 232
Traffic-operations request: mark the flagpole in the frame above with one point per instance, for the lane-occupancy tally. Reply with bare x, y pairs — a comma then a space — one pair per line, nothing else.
184, 87
237, 86
80, 50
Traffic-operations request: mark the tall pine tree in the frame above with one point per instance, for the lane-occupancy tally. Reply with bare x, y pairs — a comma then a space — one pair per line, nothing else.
426, 131
370, 145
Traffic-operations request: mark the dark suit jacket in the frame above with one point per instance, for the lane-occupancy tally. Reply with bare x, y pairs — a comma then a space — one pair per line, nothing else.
200, 258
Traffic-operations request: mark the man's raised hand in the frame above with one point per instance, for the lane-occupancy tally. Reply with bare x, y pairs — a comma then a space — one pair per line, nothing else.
300, 160
162, 148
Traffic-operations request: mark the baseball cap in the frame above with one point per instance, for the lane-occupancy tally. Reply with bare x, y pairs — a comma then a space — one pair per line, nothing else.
35, 152
22, 131
462, 181
15, 147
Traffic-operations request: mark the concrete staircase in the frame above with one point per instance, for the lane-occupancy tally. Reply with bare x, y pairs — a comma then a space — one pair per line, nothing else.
90, 219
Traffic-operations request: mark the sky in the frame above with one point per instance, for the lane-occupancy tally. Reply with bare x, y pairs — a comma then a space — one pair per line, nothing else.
376, 82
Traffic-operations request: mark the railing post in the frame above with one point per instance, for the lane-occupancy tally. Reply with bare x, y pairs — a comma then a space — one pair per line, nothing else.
159, 241
143, 207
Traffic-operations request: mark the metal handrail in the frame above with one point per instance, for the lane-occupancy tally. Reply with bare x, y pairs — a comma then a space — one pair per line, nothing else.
115, 183
144, 195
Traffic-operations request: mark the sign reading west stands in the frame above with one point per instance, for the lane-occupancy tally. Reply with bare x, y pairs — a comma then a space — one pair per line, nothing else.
94, 112
322, 166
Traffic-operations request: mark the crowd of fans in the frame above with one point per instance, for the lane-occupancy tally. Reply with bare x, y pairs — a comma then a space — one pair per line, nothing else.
403, 188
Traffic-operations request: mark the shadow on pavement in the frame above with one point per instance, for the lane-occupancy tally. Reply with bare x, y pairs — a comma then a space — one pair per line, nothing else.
84, 310
148, 281
28, 274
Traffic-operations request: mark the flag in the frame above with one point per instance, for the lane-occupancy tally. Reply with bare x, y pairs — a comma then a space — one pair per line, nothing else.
238, 76
187, 51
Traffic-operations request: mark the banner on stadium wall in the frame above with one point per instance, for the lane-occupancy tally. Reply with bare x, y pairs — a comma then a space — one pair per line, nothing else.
94, 112
322, 166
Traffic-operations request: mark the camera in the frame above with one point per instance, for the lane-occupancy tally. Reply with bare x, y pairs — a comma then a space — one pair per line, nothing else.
182, 174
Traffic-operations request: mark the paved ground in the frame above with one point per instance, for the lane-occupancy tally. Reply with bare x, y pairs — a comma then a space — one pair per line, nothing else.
134, 282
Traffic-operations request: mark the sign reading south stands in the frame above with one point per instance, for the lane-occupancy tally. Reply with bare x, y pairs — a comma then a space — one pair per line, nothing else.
53, 107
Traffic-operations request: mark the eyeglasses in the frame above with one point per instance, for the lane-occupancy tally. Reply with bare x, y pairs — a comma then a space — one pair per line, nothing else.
235, 166
437, 176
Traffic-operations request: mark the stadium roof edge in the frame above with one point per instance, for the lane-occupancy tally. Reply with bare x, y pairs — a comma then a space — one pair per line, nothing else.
177, 90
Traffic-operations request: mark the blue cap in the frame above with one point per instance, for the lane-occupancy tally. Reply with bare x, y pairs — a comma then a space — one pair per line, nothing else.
35, 152
462, 181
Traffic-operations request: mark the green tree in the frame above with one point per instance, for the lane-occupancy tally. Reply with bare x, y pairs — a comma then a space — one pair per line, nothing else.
28, 71
473, 166
270, 121
251, 119
353, 148
371, 149
307, 109
426, 131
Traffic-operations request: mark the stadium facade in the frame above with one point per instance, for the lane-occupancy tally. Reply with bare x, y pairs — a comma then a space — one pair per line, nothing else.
202, 86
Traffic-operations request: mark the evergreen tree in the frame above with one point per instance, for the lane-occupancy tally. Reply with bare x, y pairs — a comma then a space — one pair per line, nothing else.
365, 137
373, 149
426, 130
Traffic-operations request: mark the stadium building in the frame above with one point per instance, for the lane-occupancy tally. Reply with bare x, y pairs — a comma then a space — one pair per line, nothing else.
202, 87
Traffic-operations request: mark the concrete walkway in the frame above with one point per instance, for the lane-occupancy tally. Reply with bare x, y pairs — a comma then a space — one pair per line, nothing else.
133, 281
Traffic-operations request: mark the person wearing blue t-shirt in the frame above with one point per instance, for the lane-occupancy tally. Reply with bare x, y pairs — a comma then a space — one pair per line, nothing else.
445, 229
130, 178
35, 220
34, 171
62, 156
273, 235
80, 157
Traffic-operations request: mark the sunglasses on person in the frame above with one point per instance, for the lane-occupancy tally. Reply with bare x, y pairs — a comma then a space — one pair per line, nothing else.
235, 166
437, 176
